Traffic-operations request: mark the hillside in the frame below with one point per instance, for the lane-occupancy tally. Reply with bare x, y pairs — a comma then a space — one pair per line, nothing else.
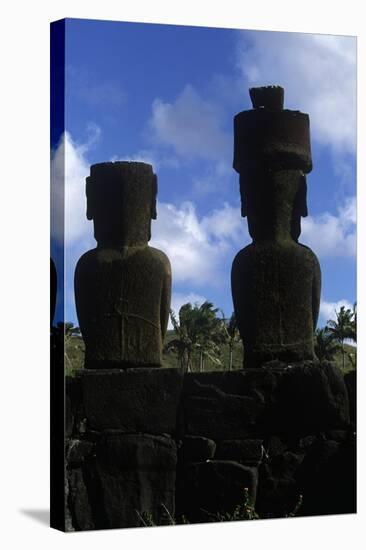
75, 356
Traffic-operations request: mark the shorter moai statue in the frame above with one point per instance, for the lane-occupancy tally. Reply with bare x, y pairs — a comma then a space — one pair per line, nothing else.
275, 280
123, 286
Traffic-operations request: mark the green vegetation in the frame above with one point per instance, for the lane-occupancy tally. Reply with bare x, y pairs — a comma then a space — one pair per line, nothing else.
243, 511
330, 341
343, 328
68, 336
197, 333
203, 341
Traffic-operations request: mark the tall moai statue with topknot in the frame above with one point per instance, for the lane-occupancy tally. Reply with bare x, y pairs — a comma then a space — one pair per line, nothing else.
123, 286
275, 280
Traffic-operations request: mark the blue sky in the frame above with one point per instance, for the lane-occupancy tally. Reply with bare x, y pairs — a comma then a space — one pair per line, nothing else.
167, 95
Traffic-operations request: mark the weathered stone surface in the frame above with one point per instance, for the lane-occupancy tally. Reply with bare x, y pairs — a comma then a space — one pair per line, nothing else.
275, 280
197, 449
288, 401
278, 491
270, 134
340, 436
311, 398
306, 442
73, 405
79, 501
223, 405
275, 446
245, 451
68, 519
122, 287
327, 478
133, 400
269, 299
78, 450
134, 474
214, 486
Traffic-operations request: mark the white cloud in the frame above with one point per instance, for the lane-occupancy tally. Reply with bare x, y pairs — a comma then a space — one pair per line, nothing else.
70, 228
318, 73
191, 125
328, 309
330, 235
69, 168
198, 248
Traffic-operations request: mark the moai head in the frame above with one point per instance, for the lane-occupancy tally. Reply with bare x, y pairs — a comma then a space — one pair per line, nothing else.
273, 202
269, 141
121, 201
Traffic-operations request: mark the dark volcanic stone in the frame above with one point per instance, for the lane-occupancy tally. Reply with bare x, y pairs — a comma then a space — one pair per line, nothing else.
275, 446
278, 490
307, 441
288, 401
132, 400
312, 398
221, 405
279, 137
271, 97
274, 307
275, 280
197, 449
327, 478
245, 451
78, 450
339, 435
73, 405
214, 486
79, 501
134, 474
122, 287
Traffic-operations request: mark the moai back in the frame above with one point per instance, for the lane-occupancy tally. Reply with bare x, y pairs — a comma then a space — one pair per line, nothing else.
275, 280
123, 286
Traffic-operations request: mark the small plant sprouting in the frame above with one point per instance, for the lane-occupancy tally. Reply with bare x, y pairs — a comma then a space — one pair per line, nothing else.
242, 512
146, 519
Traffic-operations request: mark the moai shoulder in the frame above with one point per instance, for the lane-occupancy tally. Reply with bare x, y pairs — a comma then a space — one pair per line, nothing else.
123, 286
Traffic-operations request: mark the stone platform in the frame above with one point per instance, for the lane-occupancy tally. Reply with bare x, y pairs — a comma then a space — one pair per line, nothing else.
150, 443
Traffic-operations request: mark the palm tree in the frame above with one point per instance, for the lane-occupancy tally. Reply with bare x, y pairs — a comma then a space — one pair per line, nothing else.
208, 333
341, 328
231, 335
182, 343
352, 358
196, 331
354, 323
325, 345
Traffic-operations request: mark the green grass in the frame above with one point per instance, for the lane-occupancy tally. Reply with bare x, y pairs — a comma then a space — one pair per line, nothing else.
347, 364
75, 357
171, 360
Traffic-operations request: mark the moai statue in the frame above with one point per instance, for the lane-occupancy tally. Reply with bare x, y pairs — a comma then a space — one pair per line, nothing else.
123, 286
275, 280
